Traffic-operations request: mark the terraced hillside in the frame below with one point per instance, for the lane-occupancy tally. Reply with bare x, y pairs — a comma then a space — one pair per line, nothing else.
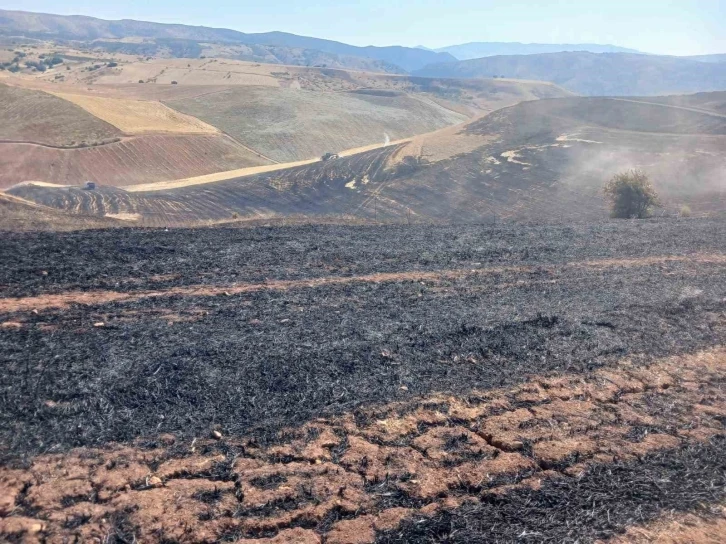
288, 125
541, 161
382, 384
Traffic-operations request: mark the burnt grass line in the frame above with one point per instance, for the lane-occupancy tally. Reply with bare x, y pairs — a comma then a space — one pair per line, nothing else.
262, 361
601, 504
123, 259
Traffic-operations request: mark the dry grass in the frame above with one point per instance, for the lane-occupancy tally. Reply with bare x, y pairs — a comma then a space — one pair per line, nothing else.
35, 116
136, 116
440, 145
291, 125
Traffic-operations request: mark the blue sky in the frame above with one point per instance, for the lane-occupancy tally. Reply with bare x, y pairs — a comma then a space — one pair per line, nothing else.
666, 27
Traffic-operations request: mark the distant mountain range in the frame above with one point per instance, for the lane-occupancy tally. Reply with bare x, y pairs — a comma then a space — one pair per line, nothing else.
595, 74
588, 69
708, 58
476, 50
86, 29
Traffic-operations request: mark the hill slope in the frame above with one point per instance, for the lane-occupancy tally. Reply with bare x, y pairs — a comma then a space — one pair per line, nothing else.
537, 161
35, 116
274, 116
591, 74
289, 125
711, 102
19, 215
49, 26
476, 50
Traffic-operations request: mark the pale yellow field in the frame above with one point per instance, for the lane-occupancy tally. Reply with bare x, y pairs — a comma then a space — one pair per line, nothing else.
212, 178
138, 117
441, 144
194, 72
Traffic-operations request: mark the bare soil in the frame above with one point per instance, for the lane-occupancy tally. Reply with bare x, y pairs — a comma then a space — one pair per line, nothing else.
351, 477
140, 159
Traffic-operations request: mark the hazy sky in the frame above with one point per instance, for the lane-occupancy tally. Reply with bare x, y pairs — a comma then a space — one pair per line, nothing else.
667, 27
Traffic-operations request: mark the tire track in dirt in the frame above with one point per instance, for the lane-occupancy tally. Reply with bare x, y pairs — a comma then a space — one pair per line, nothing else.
64, 300
350, 478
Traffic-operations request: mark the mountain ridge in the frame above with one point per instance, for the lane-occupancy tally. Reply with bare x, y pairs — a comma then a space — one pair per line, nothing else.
475, 50
85, 28
595, 74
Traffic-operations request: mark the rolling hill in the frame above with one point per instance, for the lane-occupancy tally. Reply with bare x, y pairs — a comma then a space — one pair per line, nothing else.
476, 50
537, 161
591, 74
60, 27
712, 102
290, 125
41, 118
19, 215
223, 116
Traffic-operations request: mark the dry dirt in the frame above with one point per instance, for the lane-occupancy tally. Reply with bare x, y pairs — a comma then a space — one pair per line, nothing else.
133, 160
336, 479
678, 529
404, 384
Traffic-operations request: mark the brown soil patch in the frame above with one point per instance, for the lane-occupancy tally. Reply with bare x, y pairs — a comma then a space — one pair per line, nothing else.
679, 529
437, 452
64, 300
130, 161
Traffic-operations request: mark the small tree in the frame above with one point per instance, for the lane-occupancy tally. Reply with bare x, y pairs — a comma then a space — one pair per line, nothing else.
631, 195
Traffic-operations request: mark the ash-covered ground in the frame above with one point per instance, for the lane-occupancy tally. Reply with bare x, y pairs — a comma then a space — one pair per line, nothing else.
118, 337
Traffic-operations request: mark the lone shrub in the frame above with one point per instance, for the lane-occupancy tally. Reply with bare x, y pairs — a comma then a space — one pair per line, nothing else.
685, 211
631, 195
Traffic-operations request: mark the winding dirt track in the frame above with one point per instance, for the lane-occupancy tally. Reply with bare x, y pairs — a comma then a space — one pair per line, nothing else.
441, 452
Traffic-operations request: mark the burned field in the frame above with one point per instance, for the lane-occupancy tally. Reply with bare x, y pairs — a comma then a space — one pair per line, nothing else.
341, 384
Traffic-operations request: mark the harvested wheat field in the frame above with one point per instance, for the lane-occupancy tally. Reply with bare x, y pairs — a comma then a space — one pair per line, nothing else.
138, 116
133, 160
35, 116
331, 384
290, 125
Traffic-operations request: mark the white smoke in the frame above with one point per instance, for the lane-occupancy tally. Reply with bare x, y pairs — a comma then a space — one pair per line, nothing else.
386, 139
